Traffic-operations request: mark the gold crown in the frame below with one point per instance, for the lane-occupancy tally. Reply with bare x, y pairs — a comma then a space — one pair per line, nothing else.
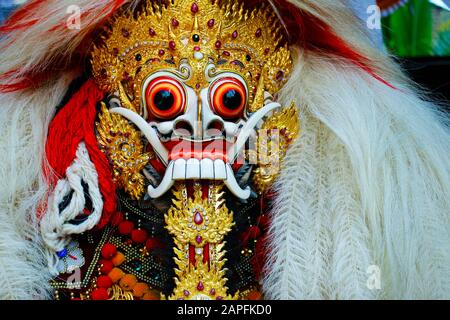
197, 32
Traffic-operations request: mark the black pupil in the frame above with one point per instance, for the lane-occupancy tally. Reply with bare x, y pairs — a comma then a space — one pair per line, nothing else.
232, 99
163, 100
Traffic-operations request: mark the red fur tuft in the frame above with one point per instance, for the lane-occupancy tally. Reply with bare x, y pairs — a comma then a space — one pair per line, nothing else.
75, 123
314, 34
26, 17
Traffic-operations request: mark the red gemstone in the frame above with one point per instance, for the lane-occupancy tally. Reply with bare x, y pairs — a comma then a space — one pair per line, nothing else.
218, 44
258, 33
197, 48
126, 76
194, 8
172, 45
219, 298
198, 218
212, 292
266, 51
151, 32
226, 53
211, 23
175, 22
234, 34
115, 51
161, 52
198, 239
125, 33
186, 293
200, 286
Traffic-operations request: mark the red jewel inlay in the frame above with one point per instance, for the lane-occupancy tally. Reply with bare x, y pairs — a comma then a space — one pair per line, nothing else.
218, 44
197, 48
258, 33
175, 22
226, 53
161, 52
200, 286
198, 219
198, 239
211, 23
266, 51
234, 34
172, 45
151, 32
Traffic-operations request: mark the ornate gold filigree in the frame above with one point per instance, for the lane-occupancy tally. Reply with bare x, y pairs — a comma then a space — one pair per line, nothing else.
274, 138
121, 142
201, 223
191, 218
195, 33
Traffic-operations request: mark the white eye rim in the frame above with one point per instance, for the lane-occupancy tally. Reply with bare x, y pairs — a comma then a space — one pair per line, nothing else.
172, 77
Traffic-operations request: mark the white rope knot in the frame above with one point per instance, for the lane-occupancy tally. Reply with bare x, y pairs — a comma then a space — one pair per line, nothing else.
67, 204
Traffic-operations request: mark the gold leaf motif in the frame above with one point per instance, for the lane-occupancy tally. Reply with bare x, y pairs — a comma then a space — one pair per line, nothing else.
122, 144
202, 223
216, 221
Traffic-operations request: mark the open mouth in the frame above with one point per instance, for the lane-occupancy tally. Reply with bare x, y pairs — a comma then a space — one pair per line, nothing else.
190, 159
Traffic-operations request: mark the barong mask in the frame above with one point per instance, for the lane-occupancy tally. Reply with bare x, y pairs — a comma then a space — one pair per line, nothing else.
196, 78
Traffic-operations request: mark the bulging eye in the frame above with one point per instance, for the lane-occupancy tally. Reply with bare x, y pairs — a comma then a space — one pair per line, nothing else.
228, 98
165, 98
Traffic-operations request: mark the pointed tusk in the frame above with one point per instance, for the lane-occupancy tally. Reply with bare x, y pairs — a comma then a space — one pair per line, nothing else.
146, 129
234, 187
247, 129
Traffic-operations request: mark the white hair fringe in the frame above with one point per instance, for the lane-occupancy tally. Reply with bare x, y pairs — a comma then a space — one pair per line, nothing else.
24, 120
366, 184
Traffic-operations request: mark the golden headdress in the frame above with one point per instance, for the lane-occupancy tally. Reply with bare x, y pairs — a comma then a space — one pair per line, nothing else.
197, 32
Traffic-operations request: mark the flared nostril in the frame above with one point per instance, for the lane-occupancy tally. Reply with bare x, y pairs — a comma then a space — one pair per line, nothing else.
215, 128
183, 128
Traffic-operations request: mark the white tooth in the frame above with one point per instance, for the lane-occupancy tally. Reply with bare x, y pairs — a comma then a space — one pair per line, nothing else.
234, 187
179, 170
219, 170
166, 183
207, 169
193, 169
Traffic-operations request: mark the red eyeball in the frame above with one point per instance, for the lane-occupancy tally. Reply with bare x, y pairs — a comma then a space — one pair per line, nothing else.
165, 98
228, 98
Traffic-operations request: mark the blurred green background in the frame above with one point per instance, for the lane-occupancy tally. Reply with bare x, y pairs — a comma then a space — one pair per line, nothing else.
416, 28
